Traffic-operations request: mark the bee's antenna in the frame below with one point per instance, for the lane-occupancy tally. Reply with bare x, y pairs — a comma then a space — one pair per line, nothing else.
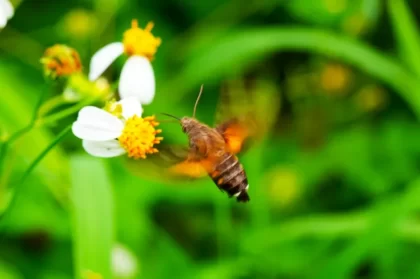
198, 98
168, 121
170, 115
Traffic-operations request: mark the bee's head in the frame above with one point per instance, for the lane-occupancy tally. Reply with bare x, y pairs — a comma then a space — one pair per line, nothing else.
188, 123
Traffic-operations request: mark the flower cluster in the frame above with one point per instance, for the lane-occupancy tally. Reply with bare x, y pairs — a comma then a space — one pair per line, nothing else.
119, 128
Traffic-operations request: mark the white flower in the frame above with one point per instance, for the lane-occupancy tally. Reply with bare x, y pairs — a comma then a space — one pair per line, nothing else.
137, 78
6, 12
118, 130
124, 263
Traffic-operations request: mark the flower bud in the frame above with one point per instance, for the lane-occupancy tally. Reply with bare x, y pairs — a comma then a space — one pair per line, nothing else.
61, 61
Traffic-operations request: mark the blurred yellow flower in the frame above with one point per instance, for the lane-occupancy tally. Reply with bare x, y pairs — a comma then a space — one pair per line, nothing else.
79, 23
283, 186
89, 274
61, 61
371, 97
137, 78
118, 130
355, 24
335, 78
335, 6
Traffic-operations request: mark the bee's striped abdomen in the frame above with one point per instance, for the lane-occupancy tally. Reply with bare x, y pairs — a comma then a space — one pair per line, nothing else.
230, 177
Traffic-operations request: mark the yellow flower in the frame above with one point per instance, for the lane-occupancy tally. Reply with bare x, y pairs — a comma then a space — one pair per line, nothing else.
335, 6
137, 78
355, 24
335, 77
61, 61
116, 130
371, 98
79, 23
283, 186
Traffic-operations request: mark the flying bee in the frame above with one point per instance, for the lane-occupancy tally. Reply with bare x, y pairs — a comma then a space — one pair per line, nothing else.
211, 151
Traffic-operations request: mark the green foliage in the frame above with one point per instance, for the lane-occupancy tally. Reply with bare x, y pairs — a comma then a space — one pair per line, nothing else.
334, 183
92, 215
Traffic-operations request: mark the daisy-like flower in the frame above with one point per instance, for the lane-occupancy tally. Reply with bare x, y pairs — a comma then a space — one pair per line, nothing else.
137, 78
117, 129
6, 12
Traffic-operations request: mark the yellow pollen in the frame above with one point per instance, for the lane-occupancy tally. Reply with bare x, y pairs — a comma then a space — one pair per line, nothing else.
139, 41
139, 136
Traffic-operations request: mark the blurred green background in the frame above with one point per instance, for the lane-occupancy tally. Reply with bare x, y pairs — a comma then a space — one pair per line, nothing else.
334, 185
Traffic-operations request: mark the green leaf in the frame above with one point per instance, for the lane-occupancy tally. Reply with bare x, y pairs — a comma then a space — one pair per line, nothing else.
16, 110
93, 219
9, 272
407, 33
386, 217
239, 49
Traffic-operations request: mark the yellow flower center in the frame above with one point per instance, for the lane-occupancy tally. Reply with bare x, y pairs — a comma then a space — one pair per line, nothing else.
139, 136
139, 41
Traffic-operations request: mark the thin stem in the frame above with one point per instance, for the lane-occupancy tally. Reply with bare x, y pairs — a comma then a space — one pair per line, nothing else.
51, 104
59, 137
64, 113
21, 132
35, 162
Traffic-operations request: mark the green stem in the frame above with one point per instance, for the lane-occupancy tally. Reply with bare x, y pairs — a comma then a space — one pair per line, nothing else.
21, 132
29, 170
64, 113
59, 137
51, 104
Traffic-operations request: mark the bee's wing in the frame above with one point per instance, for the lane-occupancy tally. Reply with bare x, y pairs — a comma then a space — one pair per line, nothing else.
237, 134
173, 163
246, 114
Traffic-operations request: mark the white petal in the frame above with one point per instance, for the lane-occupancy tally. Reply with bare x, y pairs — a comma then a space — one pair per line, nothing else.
97, 125
105, 149
137, 80
7, 8
103, 58
130, 107
3, 18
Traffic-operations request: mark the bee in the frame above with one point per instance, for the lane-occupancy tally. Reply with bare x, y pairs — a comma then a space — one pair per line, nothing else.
211, 152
